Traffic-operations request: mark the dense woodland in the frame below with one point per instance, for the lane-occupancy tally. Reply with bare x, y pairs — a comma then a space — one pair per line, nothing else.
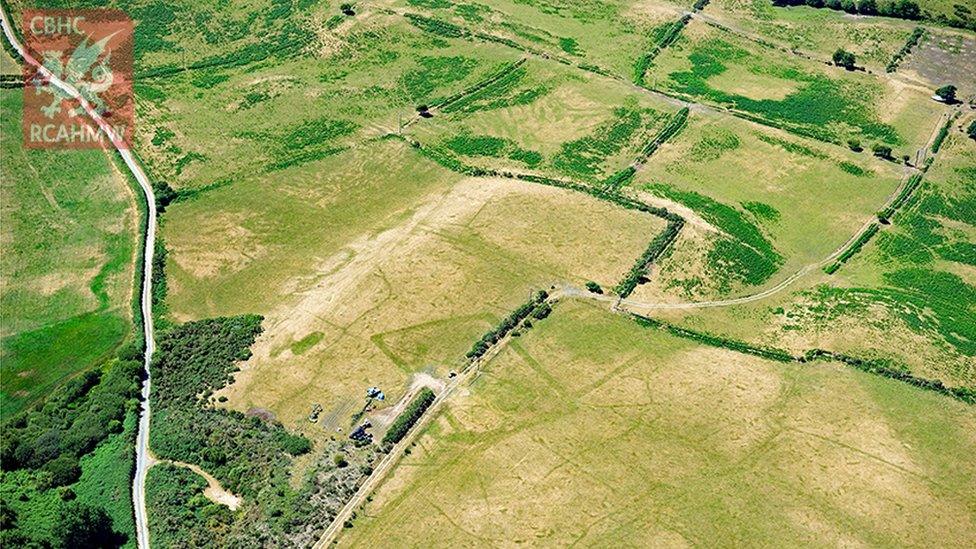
45, 451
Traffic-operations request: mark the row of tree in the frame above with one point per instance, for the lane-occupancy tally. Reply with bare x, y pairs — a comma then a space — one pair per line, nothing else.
902, 9
403, 422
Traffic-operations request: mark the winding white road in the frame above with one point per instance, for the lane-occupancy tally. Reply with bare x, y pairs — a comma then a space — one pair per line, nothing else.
142, 441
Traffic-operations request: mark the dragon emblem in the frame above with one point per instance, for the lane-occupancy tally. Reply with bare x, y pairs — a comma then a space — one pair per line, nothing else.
87, 70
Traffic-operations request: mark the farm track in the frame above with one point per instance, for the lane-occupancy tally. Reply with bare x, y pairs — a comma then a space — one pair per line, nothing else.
142, 437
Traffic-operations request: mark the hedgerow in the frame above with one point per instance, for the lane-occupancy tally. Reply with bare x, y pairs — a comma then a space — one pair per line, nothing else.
663, 37
905, 50
403, 422
653, 251
885, 369
854, 248
943, 133
536, 306
913, 182
770, 353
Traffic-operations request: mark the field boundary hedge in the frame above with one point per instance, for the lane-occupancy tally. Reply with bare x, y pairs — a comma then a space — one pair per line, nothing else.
879, 367
885, 215
770, 353
853, 249
413, 412
871, 366
536, 306
668, 37
943, 133
905, 50
673, 126
477, 87
654, 250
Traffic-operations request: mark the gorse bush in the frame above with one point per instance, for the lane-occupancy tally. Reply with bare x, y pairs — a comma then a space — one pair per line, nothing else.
193, 360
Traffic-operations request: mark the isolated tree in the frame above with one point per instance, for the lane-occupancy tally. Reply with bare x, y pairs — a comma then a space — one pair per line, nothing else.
855, 145
947, 93
972, 130
593, 287
844, 58
882, 151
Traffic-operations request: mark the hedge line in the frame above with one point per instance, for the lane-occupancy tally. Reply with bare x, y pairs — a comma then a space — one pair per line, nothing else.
653, 251
674, 125
456, 165
853, 248
668, 37
873, 366
505, 71
879, 367
403, 422
913, 183
943, 133
905, 50
536, 307
770, 353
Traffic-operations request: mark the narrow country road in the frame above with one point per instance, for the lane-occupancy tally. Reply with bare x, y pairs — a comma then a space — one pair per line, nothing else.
142, 440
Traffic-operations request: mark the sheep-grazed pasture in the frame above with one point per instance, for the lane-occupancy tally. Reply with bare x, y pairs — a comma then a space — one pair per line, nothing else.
818, 32
591, 429
802, 96
604, 124
69, 235
609, 35
763, 203
913, 283
215, 126
366, 286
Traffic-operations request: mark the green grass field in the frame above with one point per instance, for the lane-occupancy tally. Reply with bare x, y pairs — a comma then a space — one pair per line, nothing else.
821, 31
914, 282
69, 235
805, 97
593, 430
605, 124
768, 203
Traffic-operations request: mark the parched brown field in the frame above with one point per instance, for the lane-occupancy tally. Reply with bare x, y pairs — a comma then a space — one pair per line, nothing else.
389, 297
592, 430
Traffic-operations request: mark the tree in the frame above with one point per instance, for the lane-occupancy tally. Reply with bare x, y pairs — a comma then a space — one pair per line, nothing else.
972, 130
880, 150
903, 9
867, 7
81, 525
844, 58
947, 93
64, 470
593, 287
855, 145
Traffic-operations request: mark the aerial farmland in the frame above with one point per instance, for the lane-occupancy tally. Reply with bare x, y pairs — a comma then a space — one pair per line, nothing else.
425, 273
